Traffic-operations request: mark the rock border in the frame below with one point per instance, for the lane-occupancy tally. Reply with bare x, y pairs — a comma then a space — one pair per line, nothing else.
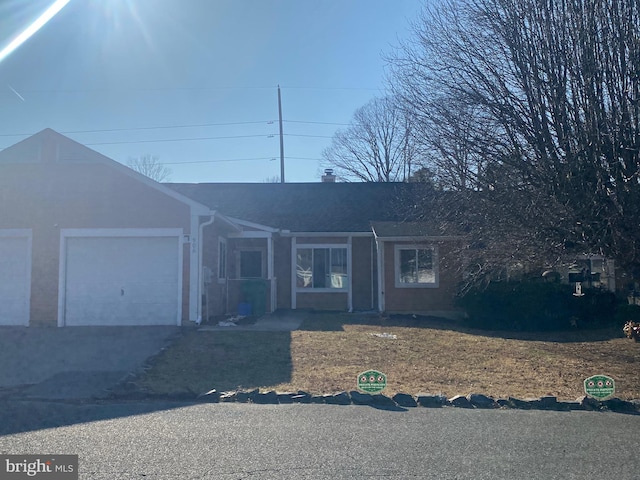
425, 400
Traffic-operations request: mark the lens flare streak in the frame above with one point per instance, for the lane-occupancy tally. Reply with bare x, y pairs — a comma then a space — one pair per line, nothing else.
28, 32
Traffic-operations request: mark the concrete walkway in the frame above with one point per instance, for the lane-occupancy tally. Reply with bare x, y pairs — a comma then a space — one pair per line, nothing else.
285, 321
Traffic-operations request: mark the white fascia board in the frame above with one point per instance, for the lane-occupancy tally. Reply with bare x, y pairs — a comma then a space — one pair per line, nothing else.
418, 239
121, 232
233, 223
414, 238
251, 234
258, 226
326, 234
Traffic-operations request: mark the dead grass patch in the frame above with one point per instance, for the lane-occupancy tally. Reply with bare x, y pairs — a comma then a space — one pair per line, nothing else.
436, 357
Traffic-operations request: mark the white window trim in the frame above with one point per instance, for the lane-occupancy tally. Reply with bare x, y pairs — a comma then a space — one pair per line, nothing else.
221, 241
396, 266
300, 246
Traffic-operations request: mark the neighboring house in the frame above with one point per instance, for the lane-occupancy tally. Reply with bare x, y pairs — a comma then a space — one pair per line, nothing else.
85, 240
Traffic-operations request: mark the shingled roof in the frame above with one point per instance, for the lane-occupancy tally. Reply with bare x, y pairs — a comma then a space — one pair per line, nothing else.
310, 207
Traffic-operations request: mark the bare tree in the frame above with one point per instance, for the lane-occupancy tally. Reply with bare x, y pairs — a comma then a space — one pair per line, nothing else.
150, 166
542, 98
376, 147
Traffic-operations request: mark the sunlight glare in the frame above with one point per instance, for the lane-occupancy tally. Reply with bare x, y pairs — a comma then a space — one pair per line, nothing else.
28, 32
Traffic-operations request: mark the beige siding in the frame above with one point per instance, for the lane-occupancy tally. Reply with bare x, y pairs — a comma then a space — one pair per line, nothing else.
421, 299
48, 197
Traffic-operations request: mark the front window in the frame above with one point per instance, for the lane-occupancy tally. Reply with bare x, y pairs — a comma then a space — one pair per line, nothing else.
322, 268
415, 267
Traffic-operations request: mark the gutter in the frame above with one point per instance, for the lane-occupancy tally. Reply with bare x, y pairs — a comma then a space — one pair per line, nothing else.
288, 233
201, 265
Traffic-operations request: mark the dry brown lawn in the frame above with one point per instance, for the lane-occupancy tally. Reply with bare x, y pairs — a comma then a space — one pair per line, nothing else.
428, 355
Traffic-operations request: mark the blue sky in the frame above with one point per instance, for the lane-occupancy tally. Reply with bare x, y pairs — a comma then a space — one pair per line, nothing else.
206, 68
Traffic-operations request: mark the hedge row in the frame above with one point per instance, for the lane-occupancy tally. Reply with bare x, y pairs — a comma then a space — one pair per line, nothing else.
542, 306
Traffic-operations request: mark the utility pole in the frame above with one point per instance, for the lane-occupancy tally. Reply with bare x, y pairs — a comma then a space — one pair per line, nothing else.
281, 137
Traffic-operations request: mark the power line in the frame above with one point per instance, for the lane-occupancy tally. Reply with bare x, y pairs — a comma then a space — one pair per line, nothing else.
181, 139
141, 89
291, 87
270, 159
158, 127
186, 125
195, 89
317, 123
309, 136
192, 139
194, 125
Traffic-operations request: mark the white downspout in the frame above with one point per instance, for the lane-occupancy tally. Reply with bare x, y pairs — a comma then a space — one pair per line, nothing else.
381, 273
373, 295
349, 275
201, 265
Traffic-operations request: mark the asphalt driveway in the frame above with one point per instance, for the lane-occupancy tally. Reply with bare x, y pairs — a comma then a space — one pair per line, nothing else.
76, 362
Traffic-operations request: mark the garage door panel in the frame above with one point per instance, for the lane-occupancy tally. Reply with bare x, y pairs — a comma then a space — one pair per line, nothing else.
122, 281
122, 258
14, 280
113, 314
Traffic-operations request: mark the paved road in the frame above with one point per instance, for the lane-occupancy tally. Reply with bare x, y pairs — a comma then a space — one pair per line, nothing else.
239, 441
74, 362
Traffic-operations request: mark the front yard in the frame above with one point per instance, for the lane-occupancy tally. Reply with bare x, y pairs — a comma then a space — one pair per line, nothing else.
427, 355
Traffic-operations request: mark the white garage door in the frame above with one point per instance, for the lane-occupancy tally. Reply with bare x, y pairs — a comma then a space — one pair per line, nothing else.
122, 281
15, 279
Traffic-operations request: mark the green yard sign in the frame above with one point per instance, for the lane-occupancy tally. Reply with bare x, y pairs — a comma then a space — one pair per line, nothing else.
372, 381
600, 386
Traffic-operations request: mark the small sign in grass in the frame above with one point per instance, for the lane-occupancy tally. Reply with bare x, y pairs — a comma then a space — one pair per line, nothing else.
372, 381
600, 386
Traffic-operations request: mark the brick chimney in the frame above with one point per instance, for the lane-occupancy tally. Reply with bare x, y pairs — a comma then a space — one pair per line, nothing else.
328, 176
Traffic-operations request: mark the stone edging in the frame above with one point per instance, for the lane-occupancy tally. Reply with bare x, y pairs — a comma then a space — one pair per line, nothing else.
404, 400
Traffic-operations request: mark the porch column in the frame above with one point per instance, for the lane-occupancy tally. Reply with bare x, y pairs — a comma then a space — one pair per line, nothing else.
194, 268
349, 275
294, 268
270, 257
380, 251
272, 290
